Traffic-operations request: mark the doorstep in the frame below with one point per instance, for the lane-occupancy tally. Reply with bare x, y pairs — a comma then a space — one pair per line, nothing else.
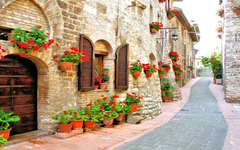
25, 137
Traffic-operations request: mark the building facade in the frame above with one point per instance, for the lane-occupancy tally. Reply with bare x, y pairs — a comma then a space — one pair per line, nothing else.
114, 34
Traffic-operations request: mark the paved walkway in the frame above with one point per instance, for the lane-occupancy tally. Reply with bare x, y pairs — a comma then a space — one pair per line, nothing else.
199, 125
112, 138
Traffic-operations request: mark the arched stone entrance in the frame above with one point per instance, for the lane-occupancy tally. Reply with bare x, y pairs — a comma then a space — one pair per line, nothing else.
18, 91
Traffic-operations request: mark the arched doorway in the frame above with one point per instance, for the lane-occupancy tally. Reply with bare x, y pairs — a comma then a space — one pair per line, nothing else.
18, 91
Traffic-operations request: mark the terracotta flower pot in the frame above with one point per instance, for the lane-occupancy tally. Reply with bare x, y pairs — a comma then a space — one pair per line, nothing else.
10, 36
96, 87
65, 65
173, 62
108, 122
6, 133
148, 74
153, 30
133, 106
89, 123
177, 82
164, 98
169, 17
136, 74
103, 85
161, 75
65, 128
119, 118
77, 124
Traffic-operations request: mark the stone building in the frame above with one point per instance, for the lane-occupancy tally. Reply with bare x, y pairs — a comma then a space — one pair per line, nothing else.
231, 52
112, 33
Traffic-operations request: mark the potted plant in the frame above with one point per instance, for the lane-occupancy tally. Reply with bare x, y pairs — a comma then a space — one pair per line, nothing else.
219, 35
219, 28
36, 40
161, 71
97, 82
107, 108
174, 56
65, 124
149, 70
121, 108
5, 118
77, 118
171, 14
105, 77
136, 69
164, 66
166, 87
161, 1
220, 12
177, 79
191, 67
164, 96
1, 53
155, 26
133, 100
92, 114
70, 57
2, 141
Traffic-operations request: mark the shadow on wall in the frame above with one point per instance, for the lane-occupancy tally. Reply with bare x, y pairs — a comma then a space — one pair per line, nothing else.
204, 72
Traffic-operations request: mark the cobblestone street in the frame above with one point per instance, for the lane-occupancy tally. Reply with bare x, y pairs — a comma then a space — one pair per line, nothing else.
199, 125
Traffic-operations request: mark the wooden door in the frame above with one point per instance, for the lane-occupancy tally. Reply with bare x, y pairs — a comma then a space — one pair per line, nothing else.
18, 92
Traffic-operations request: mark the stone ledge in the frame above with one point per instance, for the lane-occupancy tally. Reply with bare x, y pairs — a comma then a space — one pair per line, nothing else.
68, 135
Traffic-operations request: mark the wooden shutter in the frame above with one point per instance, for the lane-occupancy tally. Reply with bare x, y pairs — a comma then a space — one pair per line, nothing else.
122, 67
86, 69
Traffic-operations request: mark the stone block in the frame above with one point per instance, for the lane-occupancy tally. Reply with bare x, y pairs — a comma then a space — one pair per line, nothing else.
68, 135
133, 119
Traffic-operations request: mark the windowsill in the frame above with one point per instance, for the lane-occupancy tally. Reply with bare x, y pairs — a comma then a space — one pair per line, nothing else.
100, 90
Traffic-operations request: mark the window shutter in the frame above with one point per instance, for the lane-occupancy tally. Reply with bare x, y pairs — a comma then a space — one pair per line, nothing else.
86, 69
122, 67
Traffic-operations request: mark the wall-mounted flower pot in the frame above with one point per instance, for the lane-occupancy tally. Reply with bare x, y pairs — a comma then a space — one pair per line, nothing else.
133, 106
136, 74
161, 75
65, 128
169, 17
10, 36
154, 30
148, 74
103, 85
65, 65
161, 1
177, 82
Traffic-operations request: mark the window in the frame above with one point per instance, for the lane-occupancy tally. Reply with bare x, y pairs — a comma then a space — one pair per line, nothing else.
3, 34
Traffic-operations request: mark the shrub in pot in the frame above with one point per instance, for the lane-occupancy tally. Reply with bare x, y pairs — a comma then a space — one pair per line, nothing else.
2, 141
65, 124
171, 13
5, 118
133, 100
121, 108
136, 69
161, 71
97, 82
165, 66
155, 26
105, 78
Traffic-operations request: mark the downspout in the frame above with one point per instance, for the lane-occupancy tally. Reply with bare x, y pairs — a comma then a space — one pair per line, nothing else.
118, 23
163, 43
183, 53
194, 50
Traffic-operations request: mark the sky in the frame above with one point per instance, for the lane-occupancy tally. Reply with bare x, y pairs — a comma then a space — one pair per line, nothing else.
204, 13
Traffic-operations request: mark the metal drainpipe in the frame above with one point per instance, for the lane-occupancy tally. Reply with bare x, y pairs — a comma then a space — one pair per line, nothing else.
118, 23
163, 22
183, 52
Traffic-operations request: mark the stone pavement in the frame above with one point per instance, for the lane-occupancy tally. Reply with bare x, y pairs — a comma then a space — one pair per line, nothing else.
112, 138
199, 125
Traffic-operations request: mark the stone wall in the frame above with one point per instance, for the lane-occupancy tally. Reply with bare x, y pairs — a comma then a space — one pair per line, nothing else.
204, 72
65, 20
232, 54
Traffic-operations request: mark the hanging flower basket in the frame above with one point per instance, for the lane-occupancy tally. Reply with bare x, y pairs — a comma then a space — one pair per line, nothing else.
153, 30
136, 73
136, 69
155, 26
161, 1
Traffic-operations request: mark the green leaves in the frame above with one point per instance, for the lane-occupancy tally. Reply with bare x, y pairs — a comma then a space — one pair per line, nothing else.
135, 67
2, 140
6, 117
